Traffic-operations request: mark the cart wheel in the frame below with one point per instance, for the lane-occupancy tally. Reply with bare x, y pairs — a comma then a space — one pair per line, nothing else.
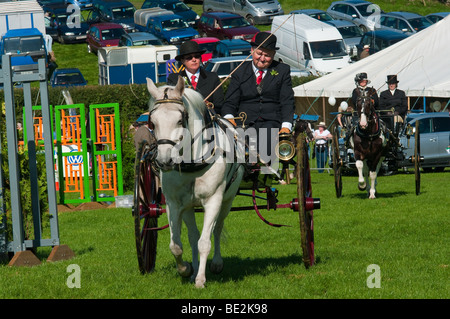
337, 161
145, 194
303, 192
417, 157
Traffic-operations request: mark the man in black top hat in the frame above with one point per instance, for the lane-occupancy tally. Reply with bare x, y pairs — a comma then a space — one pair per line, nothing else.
262, 88
393, 98
196, 77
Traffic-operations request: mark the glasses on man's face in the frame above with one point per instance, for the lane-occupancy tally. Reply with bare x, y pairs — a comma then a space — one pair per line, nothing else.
190, 57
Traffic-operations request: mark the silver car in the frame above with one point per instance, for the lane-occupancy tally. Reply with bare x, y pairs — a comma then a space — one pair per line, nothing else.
434, 129
362, 13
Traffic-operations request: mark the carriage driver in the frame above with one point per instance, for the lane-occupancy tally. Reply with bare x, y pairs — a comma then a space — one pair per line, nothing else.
393, 98
361, 82
262, 88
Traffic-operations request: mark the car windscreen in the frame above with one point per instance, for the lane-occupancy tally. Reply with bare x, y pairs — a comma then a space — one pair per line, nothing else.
112, 34
123, 13
72, 20
323, 16
23, 44
69, 78
367, 9
350, 32
328, 49
173, 24
208, 47
419, 23
234, 23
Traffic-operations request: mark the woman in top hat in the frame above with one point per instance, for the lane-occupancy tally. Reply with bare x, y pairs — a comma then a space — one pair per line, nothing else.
262, 88
321, 136
361, 82
394, 98
196, 77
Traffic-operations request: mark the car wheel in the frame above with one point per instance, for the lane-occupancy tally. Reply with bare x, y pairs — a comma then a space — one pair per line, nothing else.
250, 19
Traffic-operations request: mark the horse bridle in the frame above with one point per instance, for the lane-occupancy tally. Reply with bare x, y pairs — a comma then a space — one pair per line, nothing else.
165, 100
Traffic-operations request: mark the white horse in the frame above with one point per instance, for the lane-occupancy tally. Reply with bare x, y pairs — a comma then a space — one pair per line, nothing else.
211, 183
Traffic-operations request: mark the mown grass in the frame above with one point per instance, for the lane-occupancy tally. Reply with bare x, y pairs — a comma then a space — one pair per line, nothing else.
404, 234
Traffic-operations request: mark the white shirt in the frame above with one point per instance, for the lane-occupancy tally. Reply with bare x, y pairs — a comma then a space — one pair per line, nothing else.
197, 75
323, 135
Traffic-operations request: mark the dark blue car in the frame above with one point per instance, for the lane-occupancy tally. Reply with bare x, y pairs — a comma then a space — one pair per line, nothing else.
65, 25
67, 77
115, 11
177, 7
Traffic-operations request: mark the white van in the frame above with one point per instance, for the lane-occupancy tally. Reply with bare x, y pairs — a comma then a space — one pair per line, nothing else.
310, 44
255, 11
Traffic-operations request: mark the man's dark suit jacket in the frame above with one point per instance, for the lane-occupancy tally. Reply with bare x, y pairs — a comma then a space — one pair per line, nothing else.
207, 82
275, 101
398, 101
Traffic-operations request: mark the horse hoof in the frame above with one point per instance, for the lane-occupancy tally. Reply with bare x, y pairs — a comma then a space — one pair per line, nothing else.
216, 268
362, 187
186, 270
200, 283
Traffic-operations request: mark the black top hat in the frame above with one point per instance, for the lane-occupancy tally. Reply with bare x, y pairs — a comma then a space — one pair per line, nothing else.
261, 37
189, 47
392, 79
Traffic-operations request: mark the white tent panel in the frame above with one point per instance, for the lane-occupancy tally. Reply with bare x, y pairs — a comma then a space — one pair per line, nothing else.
420, 61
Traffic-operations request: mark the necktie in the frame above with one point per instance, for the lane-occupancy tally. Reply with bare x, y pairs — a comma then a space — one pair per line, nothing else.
259, 78
193, 82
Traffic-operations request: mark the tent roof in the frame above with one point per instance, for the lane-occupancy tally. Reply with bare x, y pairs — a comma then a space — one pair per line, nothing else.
420, 61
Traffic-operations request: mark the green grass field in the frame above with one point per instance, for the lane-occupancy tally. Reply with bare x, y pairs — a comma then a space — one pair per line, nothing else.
405, 235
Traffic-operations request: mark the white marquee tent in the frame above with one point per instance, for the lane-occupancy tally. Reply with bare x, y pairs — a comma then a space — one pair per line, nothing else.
421, 63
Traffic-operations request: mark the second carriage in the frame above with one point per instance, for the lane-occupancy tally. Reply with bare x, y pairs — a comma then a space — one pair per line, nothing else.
342, 154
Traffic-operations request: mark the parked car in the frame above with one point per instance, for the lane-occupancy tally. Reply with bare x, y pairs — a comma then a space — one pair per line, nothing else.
208, 44
231, 47
116, 11
315, 13
169, 27
438, 16
434, 129
67, 77
81, 3
379, 40
255, 11
138, 38
360, 12
177, 7
351, 34
104, 34
225, 65
406, 22
223, 25
63, 26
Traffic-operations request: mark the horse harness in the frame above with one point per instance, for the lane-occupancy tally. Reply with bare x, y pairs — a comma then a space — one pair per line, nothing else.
210, 120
